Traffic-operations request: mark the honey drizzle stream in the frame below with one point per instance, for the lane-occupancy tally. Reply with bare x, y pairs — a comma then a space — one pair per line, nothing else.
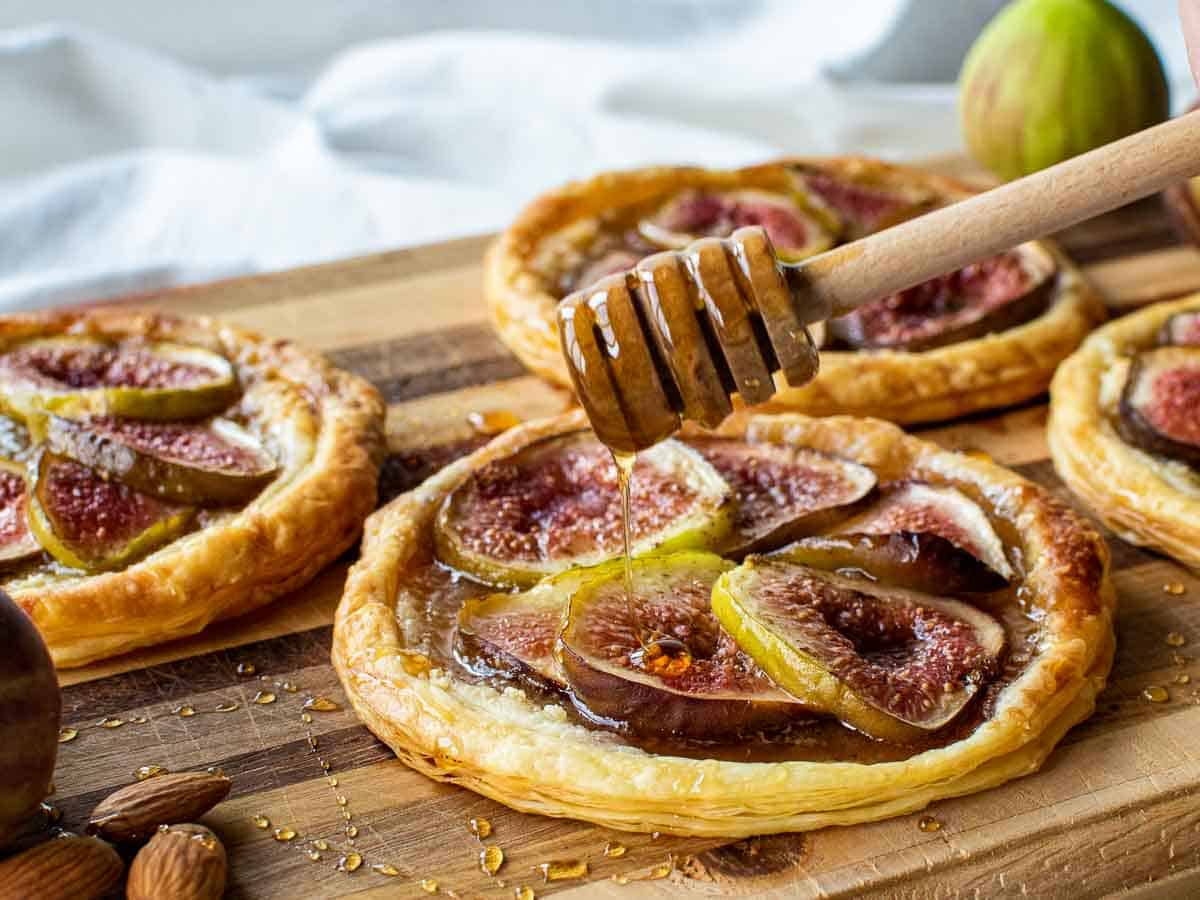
625, 463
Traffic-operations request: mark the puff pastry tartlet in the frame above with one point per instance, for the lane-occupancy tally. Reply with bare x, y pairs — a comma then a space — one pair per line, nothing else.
1124, 428
160, 473
507, 693
987, 336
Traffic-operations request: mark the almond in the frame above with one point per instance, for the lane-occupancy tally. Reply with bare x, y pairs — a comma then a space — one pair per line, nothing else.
183, 862
68, 867
135, 812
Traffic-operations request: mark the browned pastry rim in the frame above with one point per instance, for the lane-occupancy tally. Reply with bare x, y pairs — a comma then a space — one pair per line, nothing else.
999, 369
504, 745
328, 428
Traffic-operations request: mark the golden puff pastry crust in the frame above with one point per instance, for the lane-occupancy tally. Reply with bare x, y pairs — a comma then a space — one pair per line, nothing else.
1147, 500
999, 369
325, 428
533, 758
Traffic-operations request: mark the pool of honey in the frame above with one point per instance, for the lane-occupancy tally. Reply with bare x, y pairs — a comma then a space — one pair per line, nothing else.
441, 593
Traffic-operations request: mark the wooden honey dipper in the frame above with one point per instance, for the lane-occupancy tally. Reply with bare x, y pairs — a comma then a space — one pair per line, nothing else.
676, 336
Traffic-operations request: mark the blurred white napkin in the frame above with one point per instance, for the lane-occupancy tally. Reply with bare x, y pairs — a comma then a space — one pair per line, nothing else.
126, 169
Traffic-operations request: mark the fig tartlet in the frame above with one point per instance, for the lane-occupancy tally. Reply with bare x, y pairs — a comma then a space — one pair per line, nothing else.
859, 624
1124, 427
986, 336
158, 473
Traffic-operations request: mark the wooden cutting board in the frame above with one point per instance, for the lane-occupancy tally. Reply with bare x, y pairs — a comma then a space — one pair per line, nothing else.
1117, 806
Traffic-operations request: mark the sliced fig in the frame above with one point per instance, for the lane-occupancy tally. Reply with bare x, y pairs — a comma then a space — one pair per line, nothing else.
1182, 329
657, 661
78, 376
784, 492
211, 463
922, 508
17, 543
888, 662
796, 230
996, 294
915, 560
555, 505
1160, 405
88, 523
512, 636
862, 205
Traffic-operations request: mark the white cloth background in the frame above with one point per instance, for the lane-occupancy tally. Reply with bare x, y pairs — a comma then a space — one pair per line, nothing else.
149, 143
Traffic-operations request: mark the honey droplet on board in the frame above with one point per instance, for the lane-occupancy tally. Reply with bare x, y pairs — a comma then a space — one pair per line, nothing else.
66, 735
480, 827
929, 824
1156, 693
1174, 588
306, 718
313, 743
321, 844
1183, 678
262, 698
321, 704
350, 862
523, 892
491, 858
111, 722
563, 869
662, 870
285, 834
332, 779
261, 821
351, 831
385, 869
313, 854
246, 669
141, 773
227, 706
138, 720
185, 711
429, 886
613, 850
1175, 639
290, 686
492, 421
53, 813
341, 801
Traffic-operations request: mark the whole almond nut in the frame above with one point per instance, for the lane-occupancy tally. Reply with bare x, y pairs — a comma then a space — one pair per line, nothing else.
183, 862
67, 867
135, 812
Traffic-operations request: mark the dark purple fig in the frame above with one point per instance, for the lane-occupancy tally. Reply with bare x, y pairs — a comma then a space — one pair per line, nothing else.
30, 706
79, 376
17, 543
512, 636
888, 662
88, 523
921, 562
782, 491
657, 662
555, 505
1182, 329
796, 230
921, 508
996, 294
862, 205
1160, 405
208, 463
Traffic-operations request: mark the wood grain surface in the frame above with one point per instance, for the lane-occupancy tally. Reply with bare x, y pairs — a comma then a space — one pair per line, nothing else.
1116, 807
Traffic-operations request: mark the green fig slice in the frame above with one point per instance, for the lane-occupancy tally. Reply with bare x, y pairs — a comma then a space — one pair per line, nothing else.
17, 543
922, 508
555, 505
891, 663
784, 492
208, 463
74, 376
1160, 405
796, 230
1182, 329
995, 294
88, 523
915, 560
657, 662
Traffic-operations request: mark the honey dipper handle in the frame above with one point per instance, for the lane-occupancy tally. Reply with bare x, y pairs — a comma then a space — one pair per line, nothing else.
834, 283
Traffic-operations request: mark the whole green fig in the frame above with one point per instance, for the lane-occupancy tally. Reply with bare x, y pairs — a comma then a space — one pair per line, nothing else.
30, 707
1050, 79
